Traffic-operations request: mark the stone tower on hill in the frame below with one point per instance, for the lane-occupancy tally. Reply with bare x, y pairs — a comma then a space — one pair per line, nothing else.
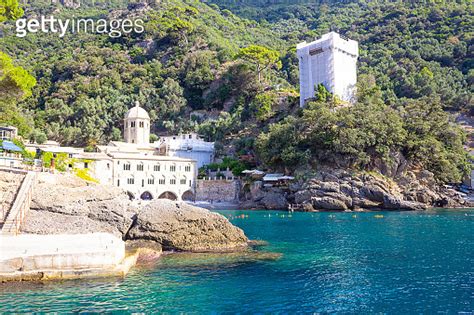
331, 61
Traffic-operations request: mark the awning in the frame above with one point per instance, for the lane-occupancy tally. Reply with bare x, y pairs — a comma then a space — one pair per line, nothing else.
10, 146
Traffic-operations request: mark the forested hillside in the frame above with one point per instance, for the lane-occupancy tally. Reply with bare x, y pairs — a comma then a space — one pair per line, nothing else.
229, 72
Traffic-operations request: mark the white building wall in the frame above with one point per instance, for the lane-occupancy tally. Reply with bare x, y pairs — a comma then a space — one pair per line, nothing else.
102, 170
202, 158
177, 180
330, 60
188, 146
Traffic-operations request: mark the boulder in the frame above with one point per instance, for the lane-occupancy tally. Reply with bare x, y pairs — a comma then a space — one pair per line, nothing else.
67, 208
179, 226
396, 203
364, 203
373, 192
302, 196
346, 199
328, 203
274, 201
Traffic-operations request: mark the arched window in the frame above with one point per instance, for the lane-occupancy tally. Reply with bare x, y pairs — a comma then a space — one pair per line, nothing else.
140, 166
151, 180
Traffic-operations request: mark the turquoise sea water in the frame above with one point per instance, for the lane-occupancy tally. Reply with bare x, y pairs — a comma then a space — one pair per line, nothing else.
401, 263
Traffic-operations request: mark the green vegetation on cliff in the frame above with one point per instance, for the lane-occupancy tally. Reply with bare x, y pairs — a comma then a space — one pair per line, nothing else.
232, 76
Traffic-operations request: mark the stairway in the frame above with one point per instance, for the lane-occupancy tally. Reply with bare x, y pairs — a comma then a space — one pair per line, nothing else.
10, 183
17, 189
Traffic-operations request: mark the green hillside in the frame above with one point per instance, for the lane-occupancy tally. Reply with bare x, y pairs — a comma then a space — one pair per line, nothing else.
188, 69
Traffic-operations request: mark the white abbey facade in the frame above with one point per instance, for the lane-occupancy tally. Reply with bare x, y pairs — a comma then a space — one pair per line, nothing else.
138, 167
332, 61
189, 146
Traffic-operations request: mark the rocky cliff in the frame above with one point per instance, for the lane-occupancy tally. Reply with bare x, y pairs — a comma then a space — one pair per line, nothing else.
341, 190
66, 204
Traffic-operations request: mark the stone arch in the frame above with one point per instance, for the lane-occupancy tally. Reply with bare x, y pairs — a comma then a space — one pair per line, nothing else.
168, 195
146, 196
189, 196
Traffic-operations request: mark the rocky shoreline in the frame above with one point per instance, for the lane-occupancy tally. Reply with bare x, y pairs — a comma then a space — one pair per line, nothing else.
340, 190
65, 204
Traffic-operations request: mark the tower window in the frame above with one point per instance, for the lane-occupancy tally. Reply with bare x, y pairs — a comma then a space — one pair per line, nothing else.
142, 124
132, 124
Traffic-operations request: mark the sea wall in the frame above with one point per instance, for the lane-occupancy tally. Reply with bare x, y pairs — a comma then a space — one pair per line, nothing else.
217, 190
39, 257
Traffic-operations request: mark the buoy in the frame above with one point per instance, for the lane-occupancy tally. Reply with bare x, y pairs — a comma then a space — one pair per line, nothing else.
354, 216
378, 216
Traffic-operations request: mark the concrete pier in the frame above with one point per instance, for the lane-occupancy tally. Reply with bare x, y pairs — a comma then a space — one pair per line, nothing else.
42, 257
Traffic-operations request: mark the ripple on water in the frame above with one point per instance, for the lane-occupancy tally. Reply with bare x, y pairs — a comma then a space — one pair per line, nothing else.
401, 263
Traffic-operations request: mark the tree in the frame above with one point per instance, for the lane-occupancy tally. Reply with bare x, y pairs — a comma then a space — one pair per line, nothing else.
263, 58
172, 99
15, 82
10, 10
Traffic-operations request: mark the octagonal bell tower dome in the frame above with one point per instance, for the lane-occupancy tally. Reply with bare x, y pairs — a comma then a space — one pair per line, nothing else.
137, 125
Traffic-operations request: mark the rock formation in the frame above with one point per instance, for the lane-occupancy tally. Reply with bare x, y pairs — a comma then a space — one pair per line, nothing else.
342, 191
66, 204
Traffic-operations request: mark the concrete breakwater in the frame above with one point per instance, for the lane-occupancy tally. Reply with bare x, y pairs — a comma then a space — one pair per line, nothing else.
43, 257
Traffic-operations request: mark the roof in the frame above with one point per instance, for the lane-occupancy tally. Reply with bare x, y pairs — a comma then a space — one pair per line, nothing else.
10, 128
253, 172
69, 150
137, 112
94, 156
276, 177
10, 146
141, 156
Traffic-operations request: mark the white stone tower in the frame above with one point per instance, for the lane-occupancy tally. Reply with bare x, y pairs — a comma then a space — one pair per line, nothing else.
137, 126
332, 61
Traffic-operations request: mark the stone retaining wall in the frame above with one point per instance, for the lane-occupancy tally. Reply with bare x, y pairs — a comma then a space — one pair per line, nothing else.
217, 190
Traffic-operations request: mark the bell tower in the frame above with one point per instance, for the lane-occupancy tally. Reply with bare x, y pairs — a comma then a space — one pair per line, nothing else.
137, 125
